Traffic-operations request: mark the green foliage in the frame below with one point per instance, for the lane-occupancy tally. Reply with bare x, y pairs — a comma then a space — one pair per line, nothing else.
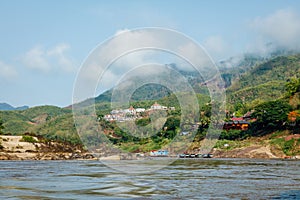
130, 147
172, 123
12, 115
20, 122
271, 116
17, 127
51, 111
61, 128
265, 82
277, 69
288, 147
104, 97
233, 135
1, 127
276, 134
28, 138
150, 91
102, 108
14, 122
246, 98
143, 121
293, 86
150, 145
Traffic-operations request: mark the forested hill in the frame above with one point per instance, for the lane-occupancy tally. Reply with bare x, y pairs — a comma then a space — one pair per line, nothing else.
258, 82
264, 82
278, 69
146, 92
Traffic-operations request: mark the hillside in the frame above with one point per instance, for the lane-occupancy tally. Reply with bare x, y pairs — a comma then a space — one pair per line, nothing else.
233, 68
264, 82
277, 69
146, 92
20, 122
254, 87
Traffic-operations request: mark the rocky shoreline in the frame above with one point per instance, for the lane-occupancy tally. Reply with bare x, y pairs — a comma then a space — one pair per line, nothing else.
14, 148
46, 156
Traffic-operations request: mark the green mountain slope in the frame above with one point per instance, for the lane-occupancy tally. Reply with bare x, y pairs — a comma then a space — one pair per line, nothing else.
263, 83
20, 122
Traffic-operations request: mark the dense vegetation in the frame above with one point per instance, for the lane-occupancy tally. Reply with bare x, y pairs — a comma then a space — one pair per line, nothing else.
1, 126
264, 82
268, 88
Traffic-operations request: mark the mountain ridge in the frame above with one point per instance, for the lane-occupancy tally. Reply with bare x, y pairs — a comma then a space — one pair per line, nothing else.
6, 106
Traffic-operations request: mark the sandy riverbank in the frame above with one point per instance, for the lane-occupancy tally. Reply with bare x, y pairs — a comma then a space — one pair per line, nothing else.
13, 148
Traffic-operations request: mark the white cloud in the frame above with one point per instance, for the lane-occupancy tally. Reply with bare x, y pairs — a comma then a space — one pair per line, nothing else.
216, 47
281, 28
114, 50
59, 52
46, 60
130, 49
36, 58
7, 71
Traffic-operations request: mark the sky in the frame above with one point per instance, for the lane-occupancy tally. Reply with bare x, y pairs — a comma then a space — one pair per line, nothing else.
43, 44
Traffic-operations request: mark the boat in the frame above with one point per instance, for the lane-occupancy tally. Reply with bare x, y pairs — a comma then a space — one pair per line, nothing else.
186, 155
209, 155
181, 155
159, 153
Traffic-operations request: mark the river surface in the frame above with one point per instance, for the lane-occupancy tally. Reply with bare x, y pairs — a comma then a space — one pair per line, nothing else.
183, 179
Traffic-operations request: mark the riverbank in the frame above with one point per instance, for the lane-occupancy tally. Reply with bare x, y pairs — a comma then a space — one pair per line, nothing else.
15, 148
253, 151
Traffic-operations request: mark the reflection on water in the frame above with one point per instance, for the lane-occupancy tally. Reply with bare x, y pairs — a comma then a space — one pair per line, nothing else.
184, 179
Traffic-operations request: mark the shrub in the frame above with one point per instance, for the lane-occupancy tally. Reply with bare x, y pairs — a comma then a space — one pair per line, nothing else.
288, 146
271, 116
28, 138
233, 135
1, 127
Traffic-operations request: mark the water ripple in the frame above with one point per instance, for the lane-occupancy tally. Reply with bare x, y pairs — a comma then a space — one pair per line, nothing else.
183, 179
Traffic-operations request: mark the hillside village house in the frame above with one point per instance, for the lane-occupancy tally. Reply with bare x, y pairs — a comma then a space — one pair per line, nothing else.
132, 114
156, 106
239, 123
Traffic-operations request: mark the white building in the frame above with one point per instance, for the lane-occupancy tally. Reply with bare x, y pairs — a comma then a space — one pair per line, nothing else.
139, 110
157, 106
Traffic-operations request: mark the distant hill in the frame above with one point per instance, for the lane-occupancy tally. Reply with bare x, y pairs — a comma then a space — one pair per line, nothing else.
17, 122
6, 106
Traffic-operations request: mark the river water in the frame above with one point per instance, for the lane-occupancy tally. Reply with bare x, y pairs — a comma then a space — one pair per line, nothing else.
183, 179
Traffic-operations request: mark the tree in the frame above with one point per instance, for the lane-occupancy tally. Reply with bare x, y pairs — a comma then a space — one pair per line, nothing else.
293, 86
1, 127
270, 116
292, 116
